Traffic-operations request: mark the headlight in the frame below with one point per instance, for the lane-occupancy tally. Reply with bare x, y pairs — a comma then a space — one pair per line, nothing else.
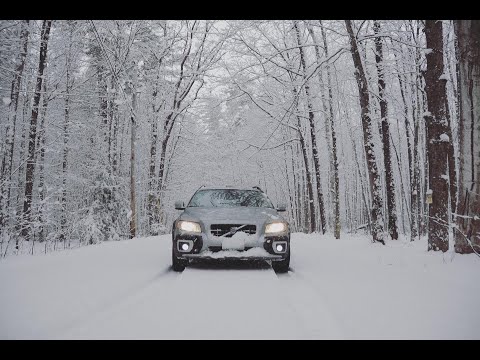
276, 228
189, 226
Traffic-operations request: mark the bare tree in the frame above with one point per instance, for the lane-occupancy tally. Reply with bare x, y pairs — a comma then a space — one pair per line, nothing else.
311, 120
437, 138
29, 175
331, 119
364, 97
391, 206
467, 236
7, 161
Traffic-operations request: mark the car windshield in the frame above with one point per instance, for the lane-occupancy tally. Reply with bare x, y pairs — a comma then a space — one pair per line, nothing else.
230, 198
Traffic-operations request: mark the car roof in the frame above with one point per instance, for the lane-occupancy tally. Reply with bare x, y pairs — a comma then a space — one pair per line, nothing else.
228, 188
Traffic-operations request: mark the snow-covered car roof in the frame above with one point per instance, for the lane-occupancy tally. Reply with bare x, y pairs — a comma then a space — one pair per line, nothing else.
226, 187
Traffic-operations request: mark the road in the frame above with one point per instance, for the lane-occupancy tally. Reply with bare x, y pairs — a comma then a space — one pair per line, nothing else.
336, 289
214, 301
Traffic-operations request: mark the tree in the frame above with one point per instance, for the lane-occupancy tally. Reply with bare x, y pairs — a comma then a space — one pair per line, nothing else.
7, 160
29, 175
331, 119
391, 207
438, 141
364, 98
467, 236
311, 121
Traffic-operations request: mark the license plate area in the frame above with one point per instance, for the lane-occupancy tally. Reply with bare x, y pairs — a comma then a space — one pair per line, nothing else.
233, 243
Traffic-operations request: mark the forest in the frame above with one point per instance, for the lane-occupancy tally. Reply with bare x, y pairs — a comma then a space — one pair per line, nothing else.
365, 127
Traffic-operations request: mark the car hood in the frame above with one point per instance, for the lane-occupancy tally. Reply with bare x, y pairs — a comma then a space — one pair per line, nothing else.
235, 214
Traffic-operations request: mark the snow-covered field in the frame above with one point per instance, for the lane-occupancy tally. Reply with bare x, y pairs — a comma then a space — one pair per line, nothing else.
341, 289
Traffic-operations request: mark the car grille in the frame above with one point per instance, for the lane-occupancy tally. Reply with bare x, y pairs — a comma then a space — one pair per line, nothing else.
219, 248
222, 229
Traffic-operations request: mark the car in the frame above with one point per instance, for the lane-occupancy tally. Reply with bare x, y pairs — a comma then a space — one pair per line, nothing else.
230, 223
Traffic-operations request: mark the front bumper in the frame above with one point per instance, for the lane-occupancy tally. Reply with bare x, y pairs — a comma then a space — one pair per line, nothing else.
261, 248
247, 255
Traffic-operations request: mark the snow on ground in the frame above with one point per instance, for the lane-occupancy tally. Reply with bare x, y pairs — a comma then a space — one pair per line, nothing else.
340, 289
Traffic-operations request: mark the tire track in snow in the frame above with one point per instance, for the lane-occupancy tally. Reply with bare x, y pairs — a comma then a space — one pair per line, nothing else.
310, 307
238, 301
107, 307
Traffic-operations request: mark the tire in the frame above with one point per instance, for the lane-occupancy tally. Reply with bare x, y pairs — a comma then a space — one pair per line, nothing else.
177, 265
281, 266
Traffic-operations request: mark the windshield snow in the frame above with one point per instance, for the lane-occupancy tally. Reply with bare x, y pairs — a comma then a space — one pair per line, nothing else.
230, 198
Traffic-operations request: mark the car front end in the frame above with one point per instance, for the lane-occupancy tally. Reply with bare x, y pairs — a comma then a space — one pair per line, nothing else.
240, 233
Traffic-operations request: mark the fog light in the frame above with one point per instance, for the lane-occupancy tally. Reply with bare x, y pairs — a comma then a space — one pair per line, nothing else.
280, 247
185, 245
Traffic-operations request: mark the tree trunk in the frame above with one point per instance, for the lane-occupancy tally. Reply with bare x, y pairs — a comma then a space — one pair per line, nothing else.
311, 118
29, 175
374, 178
391, 206
467, 236
336, 182
133, 206
437, 138
41, 162
63, 221
6, 173
328, 138
410, 151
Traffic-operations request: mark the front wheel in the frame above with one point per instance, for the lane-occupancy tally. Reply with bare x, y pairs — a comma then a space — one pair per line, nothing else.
177, 265
281, 266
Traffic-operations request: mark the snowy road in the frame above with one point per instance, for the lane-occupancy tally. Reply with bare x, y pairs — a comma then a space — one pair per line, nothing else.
208, 303
337, 289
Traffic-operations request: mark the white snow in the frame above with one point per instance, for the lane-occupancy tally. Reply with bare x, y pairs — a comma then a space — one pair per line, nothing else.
6, 101
253, 252
443, 77
340, 289
444, 137
237, 241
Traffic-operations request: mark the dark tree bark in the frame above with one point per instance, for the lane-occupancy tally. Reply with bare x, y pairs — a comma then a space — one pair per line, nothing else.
311, 119
467, 235
336, 182
29, 175
41, 163
374, 178
63, 202
133, 204
391, 206
7, 161
410, 150
328, 139
309, 206
437, 138
151, 198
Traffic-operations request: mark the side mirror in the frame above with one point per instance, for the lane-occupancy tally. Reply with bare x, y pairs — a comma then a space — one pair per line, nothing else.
281, 207
179, 205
